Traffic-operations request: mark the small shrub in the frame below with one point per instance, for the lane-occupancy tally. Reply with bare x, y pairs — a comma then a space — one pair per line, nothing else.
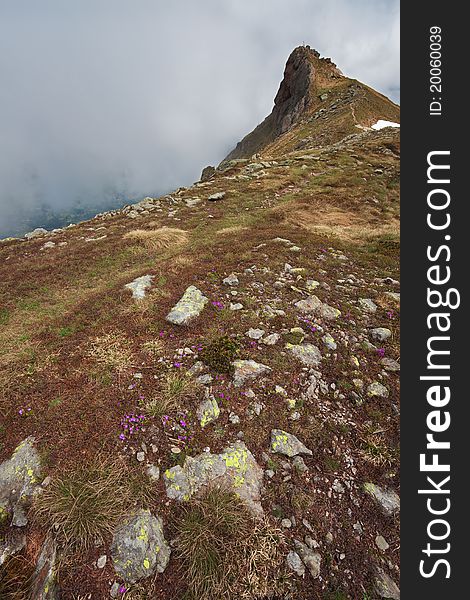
220, 354
84, 506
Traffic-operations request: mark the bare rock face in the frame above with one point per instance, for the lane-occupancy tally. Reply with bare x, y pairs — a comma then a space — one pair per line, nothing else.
304, 73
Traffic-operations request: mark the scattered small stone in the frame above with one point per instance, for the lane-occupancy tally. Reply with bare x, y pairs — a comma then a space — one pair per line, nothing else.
248, 369
385, 586
329, 342
287, 444
101, 562
233, 418
140, 456
153, 472
236, 306
381, 543
386, 498
286, 523
295, 563
216, 196
310, 558
255, 334
390, 365
232, 279
299, 464
380, 334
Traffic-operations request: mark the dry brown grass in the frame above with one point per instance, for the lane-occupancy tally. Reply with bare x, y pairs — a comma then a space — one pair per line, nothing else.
111, 350
231, 230
330, 220
163, 238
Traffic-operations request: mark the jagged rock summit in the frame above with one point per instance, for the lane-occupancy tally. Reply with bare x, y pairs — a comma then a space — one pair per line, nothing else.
313, 85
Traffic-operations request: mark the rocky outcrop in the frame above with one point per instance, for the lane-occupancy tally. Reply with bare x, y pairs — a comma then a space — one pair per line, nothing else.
304, 73
235, 468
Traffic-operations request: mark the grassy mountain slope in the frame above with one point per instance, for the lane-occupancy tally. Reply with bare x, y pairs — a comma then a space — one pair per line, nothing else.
79, 356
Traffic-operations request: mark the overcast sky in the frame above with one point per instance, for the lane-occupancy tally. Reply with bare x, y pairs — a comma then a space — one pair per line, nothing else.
137, 96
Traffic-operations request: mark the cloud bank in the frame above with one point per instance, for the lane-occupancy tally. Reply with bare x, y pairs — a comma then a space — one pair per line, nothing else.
107, 97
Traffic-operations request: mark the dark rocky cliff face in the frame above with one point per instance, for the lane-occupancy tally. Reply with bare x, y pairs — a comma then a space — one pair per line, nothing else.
304, 74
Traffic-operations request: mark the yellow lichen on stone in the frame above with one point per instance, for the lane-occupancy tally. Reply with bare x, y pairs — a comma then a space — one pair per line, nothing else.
146, 563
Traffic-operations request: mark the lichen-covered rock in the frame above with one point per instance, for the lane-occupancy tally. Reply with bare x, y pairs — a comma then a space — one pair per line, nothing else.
310, 558
139, 286
367, 305
380, 334
308, 354
385, 586
388, 500
329, 312
43, 582
286, 443
19, 481
208, 410
235, 468
378, 390
139, 548
246, 370
188, 307
329, 342
309, 305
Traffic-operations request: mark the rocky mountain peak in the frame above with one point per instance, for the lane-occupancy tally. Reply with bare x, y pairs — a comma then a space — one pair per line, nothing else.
306, 75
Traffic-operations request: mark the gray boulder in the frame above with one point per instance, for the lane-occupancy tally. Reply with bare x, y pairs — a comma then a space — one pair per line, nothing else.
308, 354
43, 582
19, 482
287, 444
246, 370
235, 468
387, 499
188, 307
139, 548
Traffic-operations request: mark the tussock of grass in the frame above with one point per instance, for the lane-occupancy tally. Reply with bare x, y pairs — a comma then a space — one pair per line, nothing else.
158, 239
84, 506
224, 552
176, 387
15, 578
